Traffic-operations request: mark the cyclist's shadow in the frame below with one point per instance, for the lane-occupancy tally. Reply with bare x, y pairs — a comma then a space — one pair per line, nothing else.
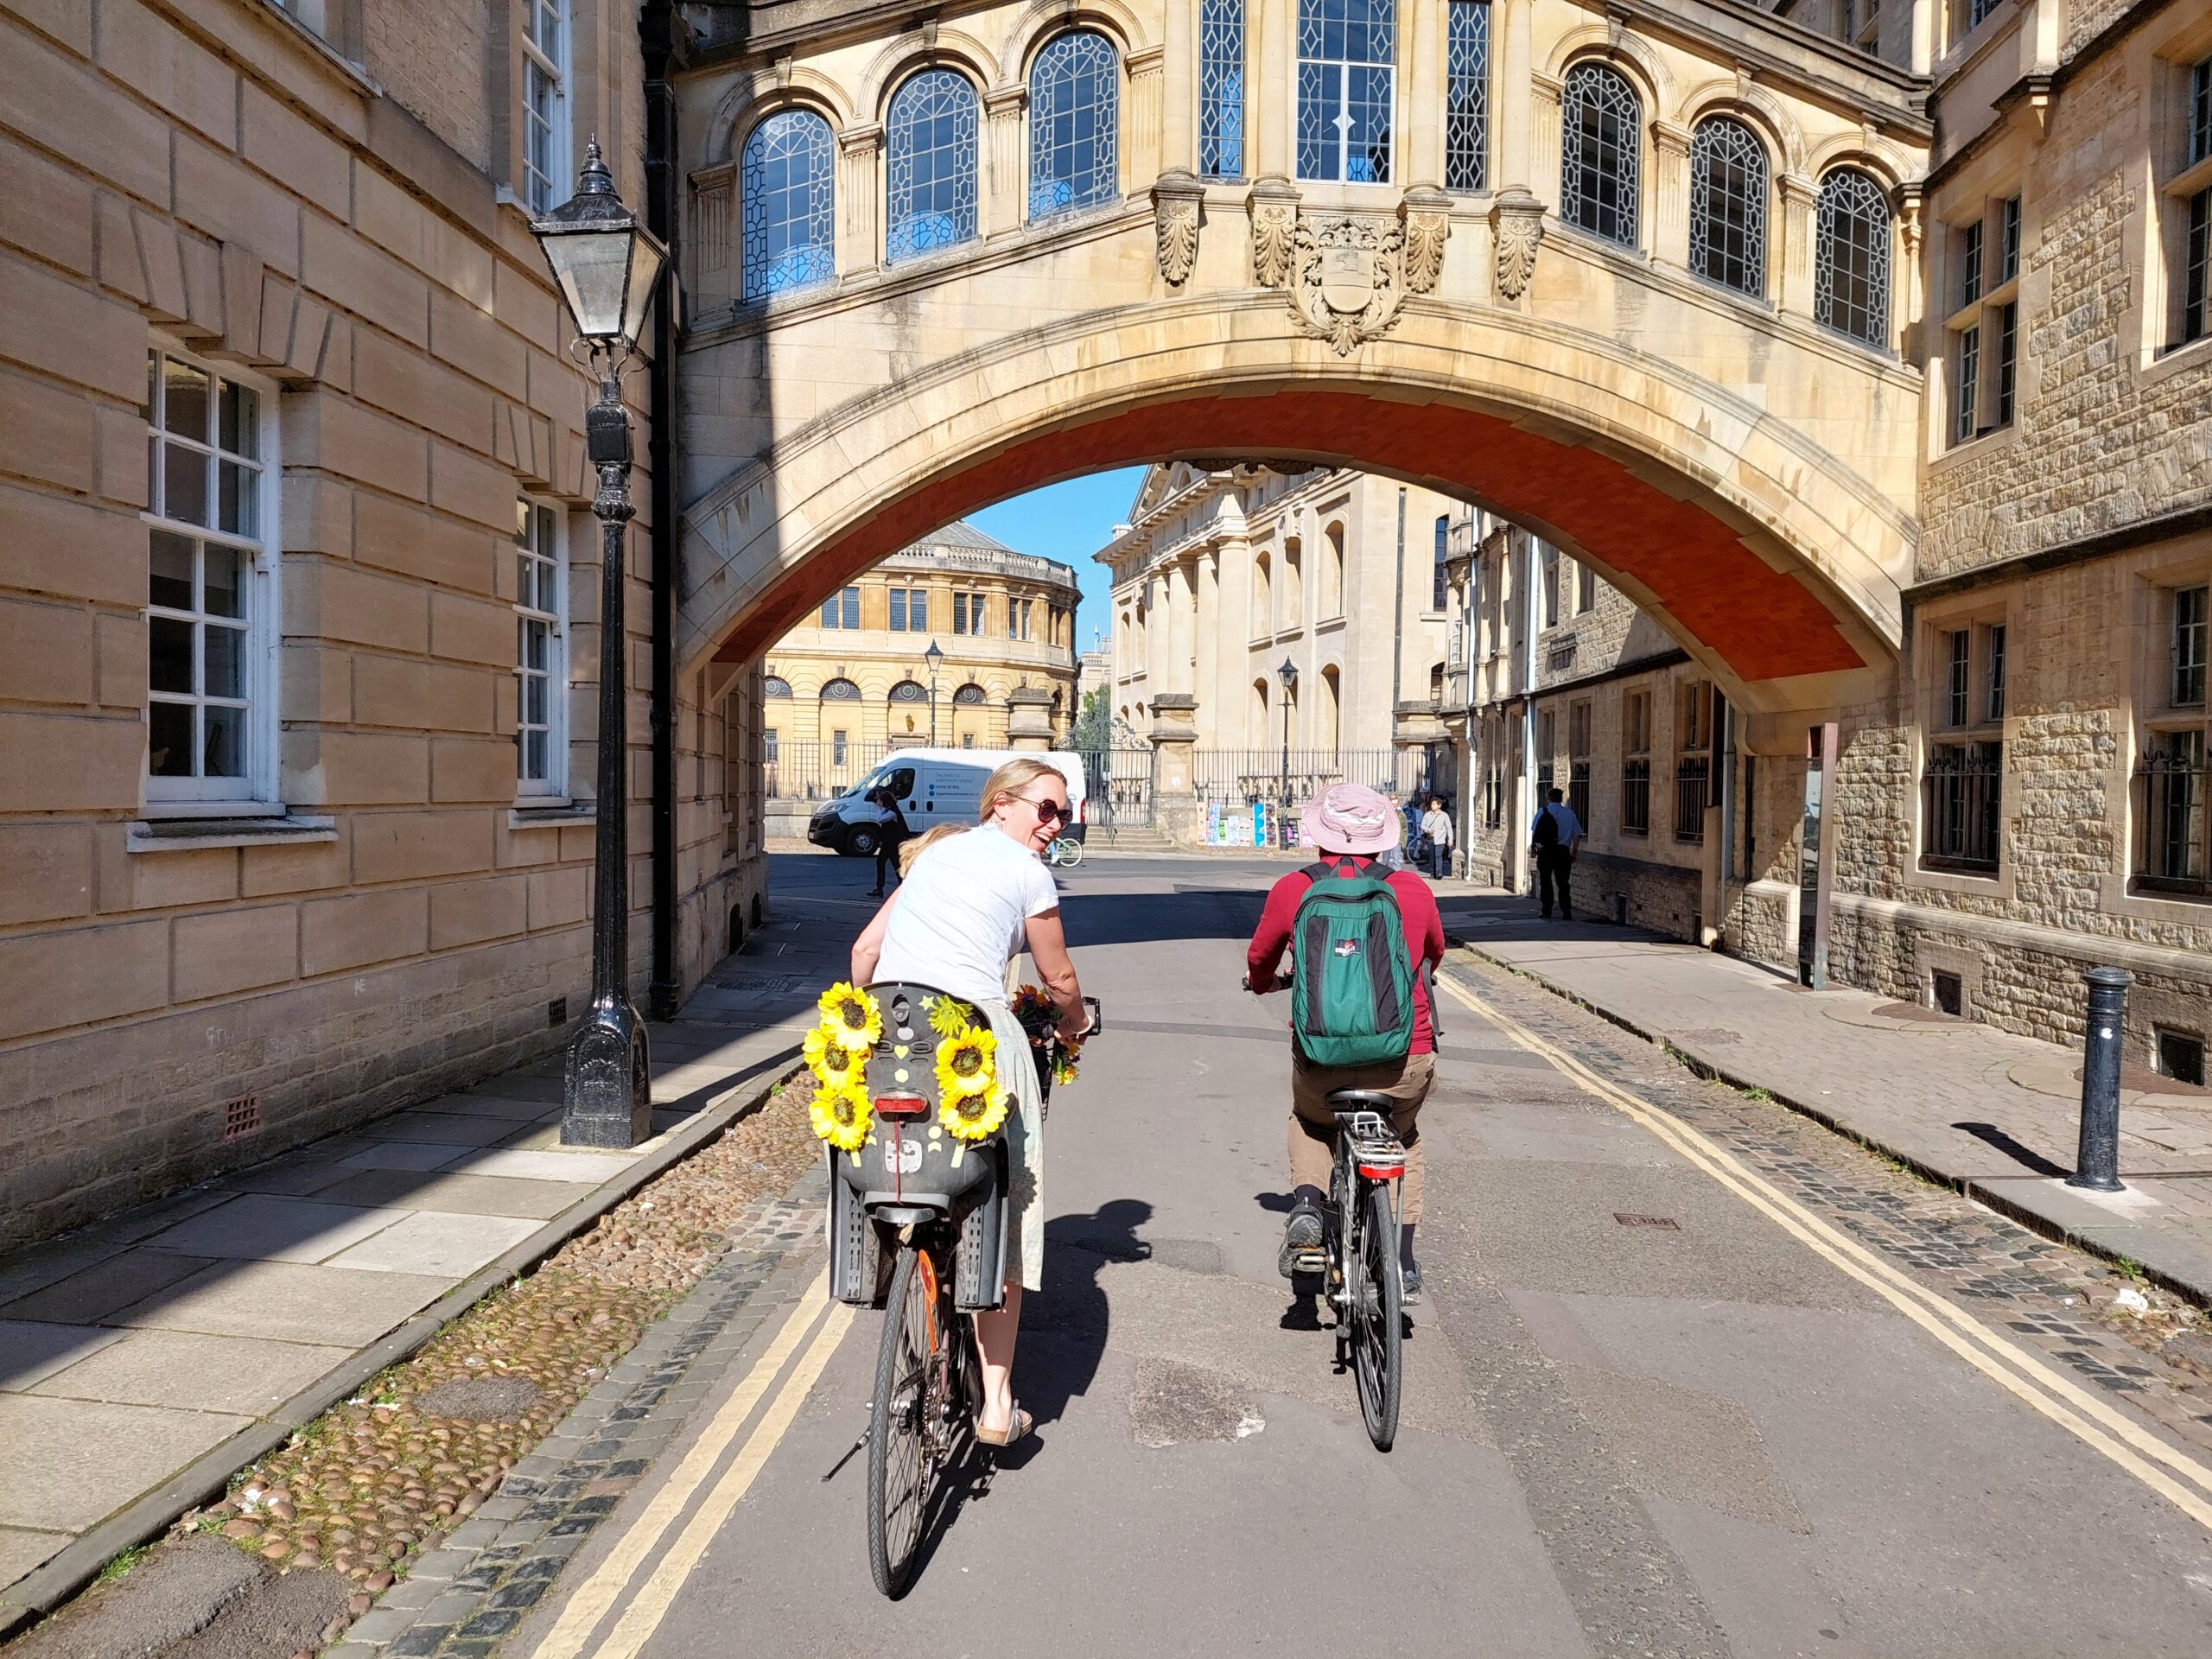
1065, 1327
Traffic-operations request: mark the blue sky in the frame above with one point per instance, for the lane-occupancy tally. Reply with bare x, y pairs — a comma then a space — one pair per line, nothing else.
1069, 522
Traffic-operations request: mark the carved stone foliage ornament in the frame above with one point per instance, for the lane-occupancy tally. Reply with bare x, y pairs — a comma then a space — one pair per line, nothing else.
1273, 205
1516, 220
1424, 217
1348, 279
1175, 202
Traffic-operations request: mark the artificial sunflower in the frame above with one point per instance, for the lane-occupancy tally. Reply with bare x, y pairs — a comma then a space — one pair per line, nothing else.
950, 1017
970, 1117
968, 1064
852, 1014
833, 1060
841, 1115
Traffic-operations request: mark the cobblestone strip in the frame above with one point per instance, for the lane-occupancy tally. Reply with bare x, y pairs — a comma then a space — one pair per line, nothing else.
462, 1599
2057, 1300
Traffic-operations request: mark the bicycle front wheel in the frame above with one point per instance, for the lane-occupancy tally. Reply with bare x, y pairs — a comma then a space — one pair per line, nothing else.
898, 1459
1378, 1334
1072, 853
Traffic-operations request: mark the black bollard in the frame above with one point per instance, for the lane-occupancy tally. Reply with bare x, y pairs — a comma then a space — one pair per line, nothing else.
2097, 1165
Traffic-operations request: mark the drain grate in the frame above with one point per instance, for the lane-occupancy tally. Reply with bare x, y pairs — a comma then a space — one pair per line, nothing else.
241, 1116
1664, 1224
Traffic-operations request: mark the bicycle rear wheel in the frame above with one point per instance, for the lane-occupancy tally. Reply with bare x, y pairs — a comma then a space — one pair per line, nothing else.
899, 1461
1375, 1298
1071, 853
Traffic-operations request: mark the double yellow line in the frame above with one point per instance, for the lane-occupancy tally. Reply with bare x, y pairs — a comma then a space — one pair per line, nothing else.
2181, 1479
814, 1317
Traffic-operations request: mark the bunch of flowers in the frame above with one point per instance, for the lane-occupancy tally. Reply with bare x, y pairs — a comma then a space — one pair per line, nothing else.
970, 1103
837, 1053
1040, 1016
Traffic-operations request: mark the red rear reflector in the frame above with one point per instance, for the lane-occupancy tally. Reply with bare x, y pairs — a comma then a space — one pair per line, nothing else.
902, 1106
1373, 1172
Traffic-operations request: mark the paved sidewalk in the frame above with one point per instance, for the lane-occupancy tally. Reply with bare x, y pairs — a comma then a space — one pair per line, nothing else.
145, 1357
1993, 1115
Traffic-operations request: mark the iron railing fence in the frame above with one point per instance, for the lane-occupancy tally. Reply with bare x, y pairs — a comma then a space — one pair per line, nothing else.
1961, 794
1240, 777
2172, 788
816, 770
1693, 790
1578, 792
1636, 798
1117, 787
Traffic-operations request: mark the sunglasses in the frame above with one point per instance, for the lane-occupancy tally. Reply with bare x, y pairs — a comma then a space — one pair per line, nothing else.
1048, 811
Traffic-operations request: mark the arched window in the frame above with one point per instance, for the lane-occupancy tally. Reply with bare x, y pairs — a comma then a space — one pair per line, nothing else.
775, 686
1466, 96
1221, 89
1728, 206
1074, 100
1850, 258
841, 691
1347, 73
783, 184
908, 691
970, 696
1600, 129
930, 162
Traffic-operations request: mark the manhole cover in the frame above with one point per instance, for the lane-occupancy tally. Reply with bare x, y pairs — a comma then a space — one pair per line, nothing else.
1664, 1224
479, 1399
1914, 1011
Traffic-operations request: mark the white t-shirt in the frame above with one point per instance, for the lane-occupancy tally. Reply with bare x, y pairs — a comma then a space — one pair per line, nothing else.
961, 914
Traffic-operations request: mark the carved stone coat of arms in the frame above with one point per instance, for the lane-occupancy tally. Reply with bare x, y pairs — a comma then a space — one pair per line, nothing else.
1348, 279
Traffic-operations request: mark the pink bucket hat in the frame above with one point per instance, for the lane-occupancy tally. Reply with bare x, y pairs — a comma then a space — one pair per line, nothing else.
1351, 818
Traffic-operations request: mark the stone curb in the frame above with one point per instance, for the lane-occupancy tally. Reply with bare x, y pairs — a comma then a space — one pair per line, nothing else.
41, 1591
2177, 1265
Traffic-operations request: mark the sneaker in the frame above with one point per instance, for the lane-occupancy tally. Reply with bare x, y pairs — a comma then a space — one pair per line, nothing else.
1301, 1240
1409, 1285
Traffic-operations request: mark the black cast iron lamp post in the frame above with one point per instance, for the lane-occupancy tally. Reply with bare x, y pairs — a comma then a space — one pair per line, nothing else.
606, 264
1289, 675
935, 658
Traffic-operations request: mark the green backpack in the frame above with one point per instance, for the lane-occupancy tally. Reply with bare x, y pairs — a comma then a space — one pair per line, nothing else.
1351, 986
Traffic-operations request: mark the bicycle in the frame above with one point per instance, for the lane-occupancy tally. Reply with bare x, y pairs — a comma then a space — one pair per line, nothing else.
916, 1228
1062, 852
1360, 1242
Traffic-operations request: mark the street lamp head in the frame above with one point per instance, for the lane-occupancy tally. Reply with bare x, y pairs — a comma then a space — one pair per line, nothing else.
933, 657
603, 259
1288, 674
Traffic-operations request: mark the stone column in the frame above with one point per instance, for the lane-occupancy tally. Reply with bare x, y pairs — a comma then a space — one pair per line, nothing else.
1272, 24
1209, 653
1140, 141
1182, 614
1544, 138
1511, 24
1798, 196
1421, 49
715, 279
1156, 644
1232, 609
860, 188
1029, 718
1670, 194
1174, 790
1179, 139
1004, 184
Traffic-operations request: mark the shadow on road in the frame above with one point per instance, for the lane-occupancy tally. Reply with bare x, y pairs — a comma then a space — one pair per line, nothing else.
1064, 1328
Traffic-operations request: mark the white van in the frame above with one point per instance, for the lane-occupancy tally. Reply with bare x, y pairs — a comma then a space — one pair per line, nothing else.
934, 786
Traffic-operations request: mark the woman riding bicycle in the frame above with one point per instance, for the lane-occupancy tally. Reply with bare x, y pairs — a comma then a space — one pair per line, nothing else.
971, 900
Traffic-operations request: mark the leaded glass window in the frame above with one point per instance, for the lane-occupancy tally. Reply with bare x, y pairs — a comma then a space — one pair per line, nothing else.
1850, 258
1601, 127
841, 691
908, 691
929, 146
1074, 101
1466, 96
968, 696
1728, 206
1347, 58
776, 686
1221, 89
785, 186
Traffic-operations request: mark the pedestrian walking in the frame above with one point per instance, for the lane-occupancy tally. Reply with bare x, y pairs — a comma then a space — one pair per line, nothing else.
890, 832
1436, 832
1555, 837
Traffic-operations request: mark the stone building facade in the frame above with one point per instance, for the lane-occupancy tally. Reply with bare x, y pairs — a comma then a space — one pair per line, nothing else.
854, 681
297, 643
1224, 577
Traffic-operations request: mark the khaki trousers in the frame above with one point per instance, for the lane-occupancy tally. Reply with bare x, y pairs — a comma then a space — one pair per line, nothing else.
1313, 1128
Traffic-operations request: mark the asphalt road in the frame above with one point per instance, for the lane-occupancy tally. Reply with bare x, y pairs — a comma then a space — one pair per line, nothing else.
1716, 1436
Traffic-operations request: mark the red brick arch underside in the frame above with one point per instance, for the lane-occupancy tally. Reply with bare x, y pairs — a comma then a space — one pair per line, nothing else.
1763, 623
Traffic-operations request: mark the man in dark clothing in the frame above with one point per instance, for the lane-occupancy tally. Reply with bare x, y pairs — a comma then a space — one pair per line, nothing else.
1349, 824
1555, 838
890, 831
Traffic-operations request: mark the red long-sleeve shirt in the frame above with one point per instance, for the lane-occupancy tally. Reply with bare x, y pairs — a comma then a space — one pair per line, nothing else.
1417, 911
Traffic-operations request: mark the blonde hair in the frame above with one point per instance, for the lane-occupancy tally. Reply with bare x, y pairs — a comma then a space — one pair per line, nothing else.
1011, 779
